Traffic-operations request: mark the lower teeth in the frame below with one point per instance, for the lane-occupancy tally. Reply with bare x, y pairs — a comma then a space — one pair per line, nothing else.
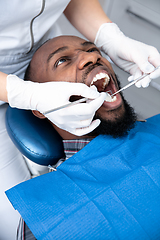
109, 98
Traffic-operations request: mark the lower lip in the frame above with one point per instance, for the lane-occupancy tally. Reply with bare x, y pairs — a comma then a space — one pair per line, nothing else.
115, 104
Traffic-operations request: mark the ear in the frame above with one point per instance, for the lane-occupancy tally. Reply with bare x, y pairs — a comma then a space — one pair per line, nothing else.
38, 114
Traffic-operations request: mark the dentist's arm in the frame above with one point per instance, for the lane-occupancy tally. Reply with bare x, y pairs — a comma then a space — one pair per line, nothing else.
86, 16
3, 90
130, 55
45, 96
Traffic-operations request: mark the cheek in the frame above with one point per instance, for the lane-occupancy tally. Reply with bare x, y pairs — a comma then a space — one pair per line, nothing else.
108, 64
111, 115
67, 75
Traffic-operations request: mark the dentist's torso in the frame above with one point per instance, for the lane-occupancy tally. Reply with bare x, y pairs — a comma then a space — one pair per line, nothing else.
24, 26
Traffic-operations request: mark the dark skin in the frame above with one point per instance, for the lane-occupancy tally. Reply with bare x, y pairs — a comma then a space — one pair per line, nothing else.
72, 59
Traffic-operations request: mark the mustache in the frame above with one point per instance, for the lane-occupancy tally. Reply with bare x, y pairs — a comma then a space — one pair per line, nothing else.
88, 70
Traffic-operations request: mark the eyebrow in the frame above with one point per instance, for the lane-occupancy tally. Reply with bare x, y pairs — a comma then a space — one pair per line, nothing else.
86, 43
61, 49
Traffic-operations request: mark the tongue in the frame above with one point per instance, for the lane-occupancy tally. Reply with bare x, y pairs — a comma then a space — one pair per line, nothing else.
108, 89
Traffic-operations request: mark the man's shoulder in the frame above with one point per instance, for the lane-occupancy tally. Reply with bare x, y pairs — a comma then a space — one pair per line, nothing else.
146, 131
155, 119
152, 123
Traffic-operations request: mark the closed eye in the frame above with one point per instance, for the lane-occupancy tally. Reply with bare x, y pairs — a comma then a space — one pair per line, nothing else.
94, 50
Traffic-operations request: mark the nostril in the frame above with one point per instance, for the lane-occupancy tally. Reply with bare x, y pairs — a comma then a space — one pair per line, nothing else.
88, 63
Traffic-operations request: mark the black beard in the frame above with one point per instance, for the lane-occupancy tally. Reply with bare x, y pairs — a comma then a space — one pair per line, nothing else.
121, 126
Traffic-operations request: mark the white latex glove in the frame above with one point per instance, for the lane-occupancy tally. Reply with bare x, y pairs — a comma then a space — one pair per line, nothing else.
45, 96
130, 55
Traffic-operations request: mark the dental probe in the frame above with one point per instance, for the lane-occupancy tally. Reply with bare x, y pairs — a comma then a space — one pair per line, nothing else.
73, 103
134, 82
67, 105
85, 99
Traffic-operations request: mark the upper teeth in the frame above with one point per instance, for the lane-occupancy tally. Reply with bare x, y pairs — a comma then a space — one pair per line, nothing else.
100, 76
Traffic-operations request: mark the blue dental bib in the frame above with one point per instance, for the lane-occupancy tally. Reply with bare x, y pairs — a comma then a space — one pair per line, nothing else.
108, 190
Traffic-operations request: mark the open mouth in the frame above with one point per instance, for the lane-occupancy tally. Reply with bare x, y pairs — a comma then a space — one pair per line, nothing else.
104, 83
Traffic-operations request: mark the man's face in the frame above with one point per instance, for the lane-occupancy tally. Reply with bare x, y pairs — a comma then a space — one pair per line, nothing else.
72, 59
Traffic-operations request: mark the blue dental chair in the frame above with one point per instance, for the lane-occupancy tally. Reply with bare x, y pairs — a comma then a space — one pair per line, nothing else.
35, 138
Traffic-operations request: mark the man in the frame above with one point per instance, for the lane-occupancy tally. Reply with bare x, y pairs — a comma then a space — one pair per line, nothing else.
71, 59
115, 175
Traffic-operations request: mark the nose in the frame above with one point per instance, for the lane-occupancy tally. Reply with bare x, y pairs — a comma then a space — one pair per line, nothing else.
87, 58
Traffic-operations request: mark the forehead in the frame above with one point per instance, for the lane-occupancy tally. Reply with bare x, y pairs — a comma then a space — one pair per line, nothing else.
70, 41
62, 42
66, 40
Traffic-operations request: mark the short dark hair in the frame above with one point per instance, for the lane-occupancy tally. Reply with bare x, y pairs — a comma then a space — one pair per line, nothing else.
27, 75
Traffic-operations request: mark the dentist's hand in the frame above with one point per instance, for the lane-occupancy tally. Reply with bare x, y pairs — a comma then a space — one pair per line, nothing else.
130, 55
75, 119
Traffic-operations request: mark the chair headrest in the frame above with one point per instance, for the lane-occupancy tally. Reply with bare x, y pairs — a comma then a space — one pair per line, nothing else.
35, 138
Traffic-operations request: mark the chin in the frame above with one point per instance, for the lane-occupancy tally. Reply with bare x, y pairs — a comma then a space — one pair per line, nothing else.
111, 115
116, 122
